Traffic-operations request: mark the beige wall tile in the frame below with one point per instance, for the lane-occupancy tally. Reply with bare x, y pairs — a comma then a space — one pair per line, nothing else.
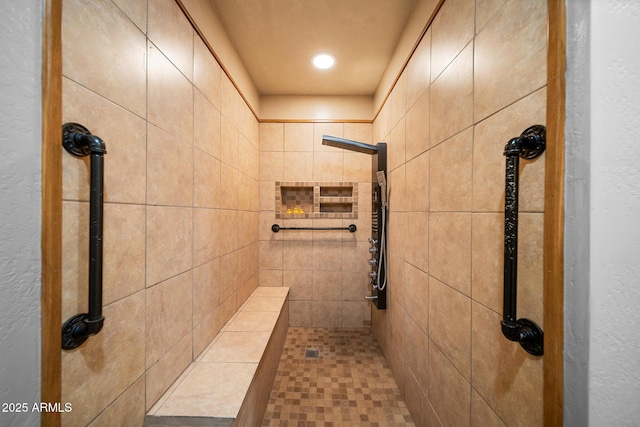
136, 10
450, 174
395, 222
453, 338
487, 259
107, 364
166, 82
450, 249
169, 170
452, 29
397, 189
448, 391
300, 283
162, 375
298, 137
248, 157
485, 10
229, 100
417, 402
417, 127
124, 251
357, 167
530, 268
503, 373
244, 194
451, 103
229, 145
129, 408
301, 313
328, 166
229, 181
270, 277
327, 256
271, 166
271, 137
419, 71
481, 413
205, 236
416, 296
355, 256
355, 285
228, 275
298, 166
227, 226
416, 347
398, 100
356, 314
206, 125
297, 255
172, 33
396, 147
206, 289
416, 239
418, 180
169, 242
327, 285
124, 135
271, 255
168, 315
206, 71
511, 56
206, 180
326, 314
117, 73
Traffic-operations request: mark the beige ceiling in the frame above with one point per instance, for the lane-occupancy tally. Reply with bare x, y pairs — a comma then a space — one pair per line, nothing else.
276, 40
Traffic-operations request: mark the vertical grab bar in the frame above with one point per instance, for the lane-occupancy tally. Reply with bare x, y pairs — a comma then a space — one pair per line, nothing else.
78, 141
529, 145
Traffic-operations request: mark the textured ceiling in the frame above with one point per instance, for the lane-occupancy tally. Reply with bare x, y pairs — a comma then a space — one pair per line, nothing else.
276, 40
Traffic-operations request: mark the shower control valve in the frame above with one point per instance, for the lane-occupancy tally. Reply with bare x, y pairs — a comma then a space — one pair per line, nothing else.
373, 250
373, 274
373, 261
373, 241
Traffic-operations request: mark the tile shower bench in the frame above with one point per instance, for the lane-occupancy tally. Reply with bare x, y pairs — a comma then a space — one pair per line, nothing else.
230, 382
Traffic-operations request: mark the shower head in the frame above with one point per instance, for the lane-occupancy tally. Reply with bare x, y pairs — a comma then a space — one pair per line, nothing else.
347, 144
382, 182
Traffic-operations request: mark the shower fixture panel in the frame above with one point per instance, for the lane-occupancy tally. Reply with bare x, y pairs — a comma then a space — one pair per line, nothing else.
378, 260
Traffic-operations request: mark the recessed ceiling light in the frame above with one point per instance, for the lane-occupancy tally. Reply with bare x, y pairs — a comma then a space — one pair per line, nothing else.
323, 61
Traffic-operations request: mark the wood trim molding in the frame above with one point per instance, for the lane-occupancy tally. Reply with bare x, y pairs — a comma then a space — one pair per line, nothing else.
51, 244
554, 218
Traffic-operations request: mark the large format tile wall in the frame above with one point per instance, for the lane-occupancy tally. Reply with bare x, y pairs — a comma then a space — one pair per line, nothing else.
181, 202
476, 80
326, 271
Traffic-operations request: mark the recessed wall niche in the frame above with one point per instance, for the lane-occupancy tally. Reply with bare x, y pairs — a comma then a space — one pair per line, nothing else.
337, 200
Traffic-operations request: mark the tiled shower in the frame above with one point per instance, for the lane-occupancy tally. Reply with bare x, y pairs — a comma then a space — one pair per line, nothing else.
189, 195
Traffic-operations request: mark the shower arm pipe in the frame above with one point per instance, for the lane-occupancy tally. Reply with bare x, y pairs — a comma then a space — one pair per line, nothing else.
351, 228
78, 141
529, 145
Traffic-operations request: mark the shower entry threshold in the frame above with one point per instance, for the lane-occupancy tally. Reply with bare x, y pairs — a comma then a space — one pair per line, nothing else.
230, 382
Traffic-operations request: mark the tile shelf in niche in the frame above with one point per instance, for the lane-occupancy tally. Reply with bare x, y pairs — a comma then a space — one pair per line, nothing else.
329, 200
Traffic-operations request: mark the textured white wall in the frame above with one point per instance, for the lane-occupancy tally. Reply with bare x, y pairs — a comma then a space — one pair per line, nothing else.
603, 210
20, 204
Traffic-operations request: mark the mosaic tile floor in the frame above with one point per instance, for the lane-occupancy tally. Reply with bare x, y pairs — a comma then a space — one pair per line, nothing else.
348, 384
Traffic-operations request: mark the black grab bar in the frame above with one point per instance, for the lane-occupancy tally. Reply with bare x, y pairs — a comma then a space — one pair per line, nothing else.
529, 145
351, 228
78, 141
